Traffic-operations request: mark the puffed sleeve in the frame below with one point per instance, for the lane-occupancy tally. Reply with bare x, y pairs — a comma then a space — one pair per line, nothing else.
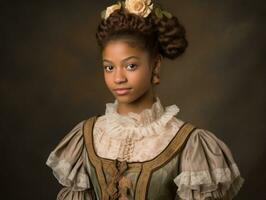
207, 169
67, 161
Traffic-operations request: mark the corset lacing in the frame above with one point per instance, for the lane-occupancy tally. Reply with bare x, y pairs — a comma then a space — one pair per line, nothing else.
119, 184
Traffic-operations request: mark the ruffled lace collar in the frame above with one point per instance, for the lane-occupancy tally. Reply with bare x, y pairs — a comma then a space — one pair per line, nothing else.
149, 122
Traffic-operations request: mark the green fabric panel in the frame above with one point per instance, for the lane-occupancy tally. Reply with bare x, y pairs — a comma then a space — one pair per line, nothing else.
93, 178
161, 184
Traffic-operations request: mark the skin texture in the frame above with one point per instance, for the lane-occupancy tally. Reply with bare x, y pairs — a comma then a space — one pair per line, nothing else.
126, 66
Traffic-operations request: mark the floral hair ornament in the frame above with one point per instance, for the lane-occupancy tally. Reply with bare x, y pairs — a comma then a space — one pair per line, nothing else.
139, 7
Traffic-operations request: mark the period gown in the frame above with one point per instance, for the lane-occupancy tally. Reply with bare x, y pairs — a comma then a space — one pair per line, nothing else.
149, 155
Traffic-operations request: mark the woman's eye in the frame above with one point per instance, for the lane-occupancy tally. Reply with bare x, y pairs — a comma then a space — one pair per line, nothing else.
108, 68
131, 67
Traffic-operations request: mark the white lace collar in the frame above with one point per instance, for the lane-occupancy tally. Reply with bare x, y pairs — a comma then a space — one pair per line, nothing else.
149, 122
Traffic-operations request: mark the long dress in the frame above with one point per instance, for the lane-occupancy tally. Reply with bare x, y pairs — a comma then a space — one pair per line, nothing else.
149, 155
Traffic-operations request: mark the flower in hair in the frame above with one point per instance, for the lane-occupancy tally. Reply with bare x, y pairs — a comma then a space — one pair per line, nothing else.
109, 10
139, 7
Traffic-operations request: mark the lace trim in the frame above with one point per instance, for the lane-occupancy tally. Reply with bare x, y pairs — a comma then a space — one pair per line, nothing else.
68, 193
222, 183
148, 123
63, 172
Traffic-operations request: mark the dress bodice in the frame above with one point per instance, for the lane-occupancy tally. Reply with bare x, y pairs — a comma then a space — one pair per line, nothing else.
135, 180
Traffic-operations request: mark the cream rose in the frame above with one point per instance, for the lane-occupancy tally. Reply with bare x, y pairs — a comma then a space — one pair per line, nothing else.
111, 9
139, 7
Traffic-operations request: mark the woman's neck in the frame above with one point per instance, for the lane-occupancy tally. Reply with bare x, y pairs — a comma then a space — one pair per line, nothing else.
144, 102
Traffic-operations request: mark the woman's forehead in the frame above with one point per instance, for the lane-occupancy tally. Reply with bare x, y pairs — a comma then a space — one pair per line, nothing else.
122, 49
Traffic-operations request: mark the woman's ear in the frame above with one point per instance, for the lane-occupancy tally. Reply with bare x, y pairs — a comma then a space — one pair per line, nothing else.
156, 70
157, 64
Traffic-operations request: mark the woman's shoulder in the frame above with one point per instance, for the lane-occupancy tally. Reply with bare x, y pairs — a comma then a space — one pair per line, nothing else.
207, 140
68, 158
207, 163
74, 137
198, 133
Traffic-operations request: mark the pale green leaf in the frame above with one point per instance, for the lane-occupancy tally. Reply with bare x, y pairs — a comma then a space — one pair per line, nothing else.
158, 12
103, 14
167, 14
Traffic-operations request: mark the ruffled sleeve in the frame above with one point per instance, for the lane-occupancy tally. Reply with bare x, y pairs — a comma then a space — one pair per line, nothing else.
67, 161
207, 169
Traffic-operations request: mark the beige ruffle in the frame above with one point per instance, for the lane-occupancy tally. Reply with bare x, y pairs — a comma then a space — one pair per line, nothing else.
68, 194
150, 122
135, 137
67, 161
207, 169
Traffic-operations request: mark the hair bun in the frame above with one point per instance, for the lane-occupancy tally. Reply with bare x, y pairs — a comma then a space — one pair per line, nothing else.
171, 36
164, 35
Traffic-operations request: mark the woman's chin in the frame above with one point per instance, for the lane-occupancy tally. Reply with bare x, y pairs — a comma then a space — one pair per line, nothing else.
124, 99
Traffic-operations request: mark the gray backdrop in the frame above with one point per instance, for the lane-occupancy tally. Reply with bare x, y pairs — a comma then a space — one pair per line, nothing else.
51, 79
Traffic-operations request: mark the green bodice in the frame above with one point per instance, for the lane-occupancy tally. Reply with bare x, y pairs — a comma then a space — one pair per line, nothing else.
148, 180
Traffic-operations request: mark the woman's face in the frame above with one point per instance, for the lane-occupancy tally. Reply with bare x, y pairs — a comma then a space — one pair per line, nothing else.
127, 71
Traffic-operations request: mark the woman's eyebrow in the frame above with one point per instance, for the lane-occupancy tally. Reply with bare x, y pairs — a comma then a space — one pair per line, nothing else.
125, 59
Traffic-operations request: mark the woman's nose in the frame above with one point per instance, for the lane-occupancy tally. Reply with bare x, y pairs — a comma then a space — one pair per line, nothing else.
120, 76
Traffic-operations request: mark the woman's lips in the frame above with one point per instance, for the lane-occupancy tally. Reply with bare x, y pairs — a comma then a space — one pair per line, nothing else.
122, 91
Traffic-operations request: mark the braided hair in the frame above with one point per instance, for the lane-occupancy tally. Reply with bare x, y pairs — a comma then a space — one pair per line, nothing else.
164, 36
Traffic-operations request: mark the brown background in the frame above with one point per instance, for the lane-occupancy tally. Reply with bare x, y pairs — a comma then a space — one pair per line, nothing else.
51, 78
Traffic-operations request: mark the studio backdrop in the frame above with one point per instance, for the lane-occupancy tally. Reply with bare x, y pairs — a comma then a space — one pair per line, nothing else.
52, 78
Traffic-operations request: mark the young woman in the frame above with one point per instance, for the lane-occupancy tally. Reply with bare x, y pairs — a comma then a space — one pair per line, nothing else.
139, 149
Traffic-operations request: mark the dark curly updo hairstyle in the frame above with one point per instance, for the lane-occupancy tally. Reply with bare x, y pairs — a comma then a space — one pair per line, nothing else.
164, 36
